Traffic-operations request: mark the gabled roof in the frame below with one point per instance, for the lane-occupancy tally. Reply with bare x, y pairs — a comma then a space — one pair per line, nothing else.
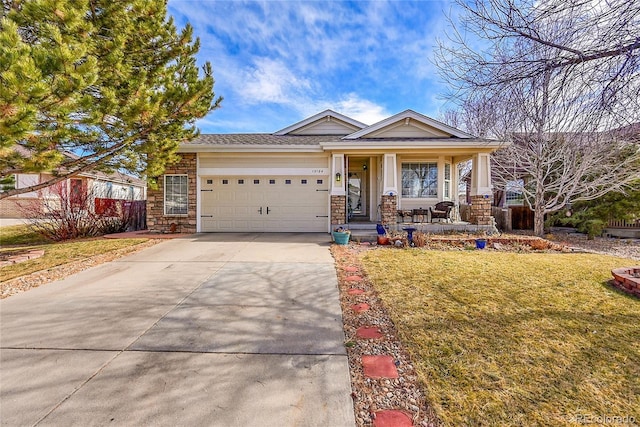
408, 125
328, 131
253, 141
327, 122
115, 176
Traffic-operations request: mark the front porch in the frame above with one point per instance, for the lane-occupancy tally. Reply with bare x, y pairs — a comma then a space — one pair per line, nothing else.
366, 231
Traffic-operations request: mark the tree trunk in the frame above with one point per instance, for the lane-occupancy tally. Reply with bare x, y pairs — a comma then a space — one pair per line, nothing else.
538, 222
538, 212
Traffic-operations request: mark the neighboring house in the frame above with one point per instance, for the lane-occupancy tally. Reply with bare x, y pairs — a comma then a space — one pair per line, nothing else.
509, 195
104, 189
316, 174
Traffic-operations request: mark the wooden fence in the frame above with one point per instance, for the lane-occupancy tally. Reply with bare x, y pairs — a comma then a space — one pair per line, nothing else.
624, 223
522, 218
132, 212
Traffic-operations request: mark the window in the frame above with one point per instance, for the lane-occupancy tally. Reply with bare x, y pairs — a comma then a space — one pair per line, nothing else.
303, 181
272, 181
241, 181
287, 181
513, 192
175, 194
447, 182
209, 181
318, 181
225, 181
256, 181
420, 180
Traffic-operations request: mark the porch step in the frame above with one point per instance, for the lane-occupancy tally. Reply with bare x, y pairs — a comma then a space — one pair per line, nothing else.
366, 232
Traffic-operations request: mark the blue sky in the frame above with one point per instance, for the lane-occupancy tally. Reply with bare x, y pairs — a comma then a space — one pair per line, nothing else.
278, 62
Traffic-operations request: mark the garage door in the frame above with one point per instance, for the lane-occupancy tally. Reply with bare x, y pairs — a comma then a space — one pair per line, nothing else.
263, 203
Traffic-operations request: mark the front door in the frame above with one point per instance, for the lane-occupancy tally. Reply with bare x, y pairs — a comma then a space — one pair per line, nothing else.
358, 190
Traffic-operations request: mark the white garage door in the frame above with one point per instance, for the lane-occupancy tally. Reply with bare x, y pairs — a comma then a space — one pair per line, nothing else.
264, 203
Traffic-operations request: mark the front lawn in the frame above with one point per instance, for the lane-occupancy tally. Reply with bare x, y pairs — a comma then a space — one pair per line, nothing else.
19, 239
515, 339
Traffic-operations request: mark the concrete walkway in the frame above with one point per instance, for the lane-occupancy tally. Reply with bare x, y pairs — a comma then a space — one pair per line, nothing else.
211, 330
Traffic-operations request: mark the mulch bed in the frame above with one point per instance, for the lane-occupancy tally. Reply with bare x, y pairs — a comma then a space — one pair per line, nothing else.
371, 396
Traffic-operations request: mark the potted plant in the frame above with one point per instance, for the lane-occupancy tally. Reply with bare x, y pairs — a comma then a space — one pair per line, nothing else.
481, 243
341, 235
383, 239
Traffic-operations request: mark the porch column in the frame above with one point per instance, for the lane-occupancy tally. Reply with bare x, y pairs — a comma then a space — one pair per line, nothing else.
481, 194
389, 175
455, 197
389, 200
338, 190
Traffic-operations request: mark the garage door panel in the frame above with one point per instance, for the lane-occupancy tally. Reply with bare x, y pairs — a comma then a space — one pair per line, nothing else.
293, 205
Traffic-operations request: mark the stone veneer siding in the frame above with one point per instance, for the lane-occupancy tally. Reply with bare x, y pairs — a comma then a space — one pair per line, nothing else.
338, 210
480, 210
389, 209
156, 219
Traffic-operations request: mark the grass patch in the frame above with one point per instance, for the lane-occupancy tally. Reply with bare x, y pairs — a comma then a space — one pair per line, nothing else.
21, 239
514, 339
20, 235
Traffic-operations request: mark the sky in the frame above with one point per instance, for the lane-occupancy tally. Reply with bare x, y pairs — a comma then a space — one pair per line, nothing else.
279, 62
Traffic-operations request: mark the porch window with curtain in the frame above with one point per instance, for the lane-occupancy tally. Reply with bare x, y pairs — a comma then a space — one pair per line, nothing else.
420, 180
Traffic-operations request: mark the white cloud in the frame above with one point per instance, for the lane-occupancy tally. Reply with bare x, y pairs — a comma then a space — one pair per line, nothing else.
286, 60
270, 80
364, 111
351, 105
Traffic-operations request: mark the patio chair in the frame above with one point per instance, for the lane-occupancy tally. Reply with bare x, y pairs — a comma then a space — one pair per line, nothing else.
442, 210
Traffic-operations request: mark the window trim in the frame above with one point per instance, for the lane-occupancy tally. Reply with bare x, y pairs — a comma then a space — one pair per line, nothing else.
408, 162
511, 189
186, 207
446, 182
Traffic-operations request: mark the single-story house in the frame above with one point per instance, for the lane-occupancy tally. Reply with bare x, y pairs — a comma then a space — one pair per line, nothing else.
103, 189
321, 172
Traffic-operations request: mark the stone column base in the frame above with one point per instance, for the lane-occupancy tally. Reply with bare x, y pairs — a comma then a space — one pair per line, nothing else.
338, 210
480, 210
389, 209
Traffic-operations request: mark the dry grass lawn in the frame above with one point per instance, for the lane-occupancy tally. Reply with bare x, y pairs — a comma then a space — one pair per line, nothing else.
514, 339
18, 239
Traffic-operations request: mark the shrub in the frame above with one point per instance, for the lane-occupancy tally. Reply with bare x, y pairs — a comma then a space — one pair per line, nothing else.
65, 215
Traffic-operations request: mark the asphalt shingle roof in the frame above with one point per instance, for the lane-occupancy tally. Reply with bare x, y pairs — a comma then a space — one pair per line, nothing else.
261, 139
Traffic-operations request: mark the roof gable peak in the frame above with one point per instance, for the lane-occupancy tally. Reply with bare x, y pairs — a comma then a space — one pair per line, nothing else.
327, 122
408, 124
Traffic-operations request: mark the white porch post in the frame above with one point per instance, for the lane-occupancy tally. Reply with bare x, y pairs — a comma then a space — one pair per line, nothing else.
481, 175
338, 188
338, 197
389, 198
389, 175
455, 197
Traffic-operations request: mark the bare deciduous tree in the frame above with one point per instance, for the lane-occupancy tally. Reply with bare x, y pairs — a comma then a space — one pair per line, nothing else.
554, 78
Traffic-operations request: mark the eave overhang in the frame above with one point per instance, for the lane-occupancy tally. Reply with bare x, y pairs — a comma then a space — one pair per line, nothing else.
228, 148
427, 144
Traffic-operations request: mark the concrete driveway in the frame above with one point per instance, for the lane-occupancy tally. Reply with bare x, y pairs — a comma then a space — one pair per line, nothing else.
211, 330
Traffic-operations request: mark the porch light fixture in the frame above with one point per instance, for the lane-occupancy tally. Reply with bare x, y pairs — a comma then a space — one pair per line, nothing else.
338, 177
364, 167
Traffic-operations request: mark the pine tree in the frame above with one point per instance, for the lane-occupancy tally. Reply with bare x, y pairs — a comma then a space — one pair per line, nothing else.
114, 83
